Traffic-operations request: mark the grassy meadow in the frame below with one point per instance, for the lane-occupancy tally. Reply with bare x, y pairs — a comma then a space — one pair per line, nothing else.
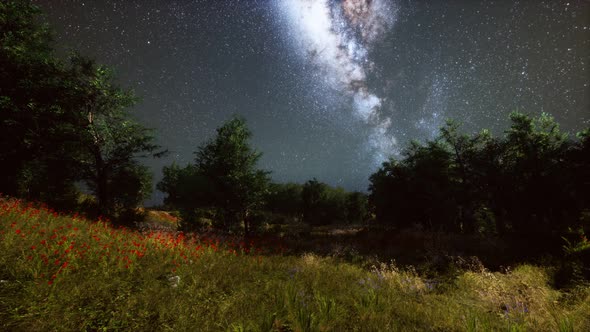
67, 273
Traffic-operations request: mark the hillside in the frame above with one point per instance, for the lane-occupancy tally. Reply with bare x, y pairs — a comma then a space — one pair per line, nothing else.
67, 273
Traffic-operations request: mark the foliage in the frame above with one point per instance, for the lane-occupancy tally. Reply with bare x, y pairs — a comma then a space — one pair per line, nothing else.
416, 189
30, 79
68, 273
356, 208
314, 197
64, 122
224, 177
532, 181
324, 205
285, 199
110, 140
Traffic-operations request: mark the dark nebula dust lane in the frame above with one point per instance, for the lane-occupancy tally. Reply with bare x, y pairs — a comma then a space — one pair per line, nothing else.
331, 88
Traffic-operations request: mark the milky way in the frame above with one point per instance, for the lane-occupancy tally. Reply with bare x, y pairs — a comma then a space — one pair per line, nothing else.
330, 88
337, 37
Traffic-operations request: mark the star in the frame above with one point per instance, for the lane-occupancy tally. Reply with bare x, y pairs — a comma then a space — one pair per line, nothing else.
330, 88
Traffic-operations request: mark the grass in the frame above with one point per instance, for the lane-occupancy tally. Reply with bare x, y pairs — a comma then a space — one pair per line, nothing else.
67, 273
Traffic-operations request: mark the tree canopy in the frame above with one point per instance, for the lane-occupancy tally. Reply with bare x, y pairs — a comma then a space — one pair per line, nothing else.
532, 180
224, 177
64, 122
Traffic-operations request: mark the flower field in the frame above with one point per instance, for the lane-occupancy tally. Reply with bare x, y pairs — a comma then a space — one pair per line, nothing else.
67, 273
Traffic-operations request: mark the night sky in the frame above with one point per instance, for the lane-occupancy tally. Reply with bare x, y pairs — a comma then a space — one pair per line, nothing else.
332, 88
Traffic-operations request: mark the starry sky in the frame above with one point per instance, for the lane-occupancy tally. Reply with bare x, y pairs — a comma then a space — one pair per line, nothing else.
331, 88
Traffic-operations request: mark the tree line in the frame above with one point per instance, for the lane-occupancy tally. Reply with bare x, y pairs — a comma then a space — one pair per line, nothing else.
224, 185
533, 180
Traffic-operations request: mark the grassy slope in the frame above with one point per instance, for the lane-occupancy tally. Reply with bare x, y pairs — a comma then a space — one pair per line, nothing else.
67, 273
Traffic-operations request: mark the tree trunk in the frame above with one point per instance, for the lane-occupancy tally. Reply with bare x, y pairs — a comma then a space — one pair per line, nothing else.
101, 185
246, 223
101, 176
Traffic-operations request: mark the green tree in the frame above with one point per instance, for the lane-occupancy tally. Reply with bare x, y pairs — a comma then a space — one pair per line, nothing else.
433, 185
178, 183
356, 207
224, 177
110, 140
468, 188
31, 106
229, 164
533, 166
285, 199
314, 196
189, 192
532, 181
335, 206
579, 171
64, 122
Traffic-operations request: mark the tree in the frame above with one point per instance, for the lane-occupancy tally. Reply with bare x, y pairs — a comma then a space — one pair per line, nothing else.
579, 171
533, 166
189, 192
314, 196
64, 122
110, 141
356, 207
419, 189
31, 86
177, 182
229, 163
285, 199
225, 177
531, 181
469, 189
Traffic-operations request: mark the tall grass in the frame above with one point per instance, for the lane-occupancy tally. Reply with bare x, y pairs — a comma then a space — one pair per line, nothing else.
67, 273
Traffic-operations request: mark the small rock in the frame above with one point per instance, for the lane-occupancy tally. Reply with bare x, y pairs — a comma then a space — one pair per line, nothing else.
174, 281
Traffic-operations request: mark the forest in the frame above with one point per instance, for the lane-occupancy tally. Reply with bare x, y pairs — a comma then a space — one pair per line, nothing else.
459, 203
